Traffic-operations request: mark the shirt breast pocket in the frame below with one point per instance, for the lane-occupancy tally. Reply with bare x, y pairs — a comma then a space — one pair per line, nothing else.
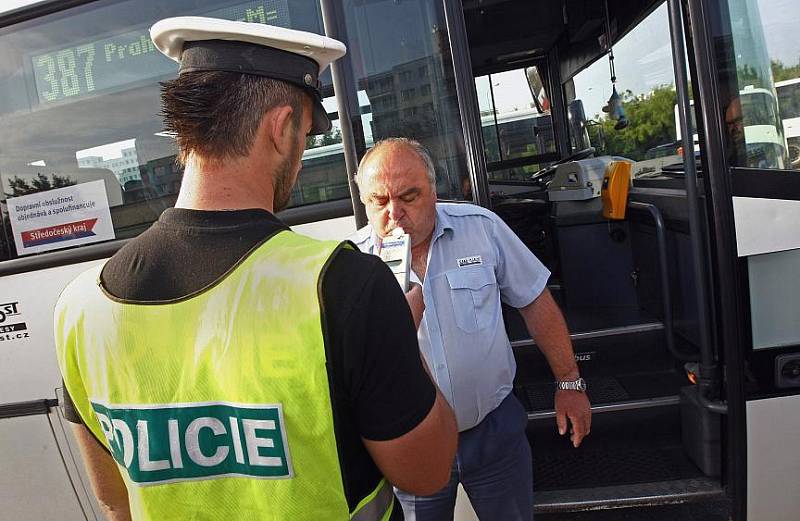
474, 296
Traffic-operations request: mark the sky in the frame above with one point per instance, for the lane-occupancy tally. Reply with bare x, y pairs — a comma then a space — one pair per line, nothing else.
107, 151
8, 5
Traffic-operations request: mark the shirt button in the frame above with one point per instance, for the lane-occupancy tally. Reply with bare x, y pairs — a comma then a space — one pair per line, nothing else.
440, 367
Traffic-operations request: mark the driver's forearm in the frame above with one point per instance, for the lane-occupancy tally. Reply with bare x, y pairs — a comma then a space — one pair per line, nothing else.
547, 327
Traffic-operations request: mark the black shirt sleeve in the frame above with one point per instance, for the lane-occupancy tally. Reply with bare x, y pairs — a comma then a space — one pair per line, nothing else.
375, 354
68, 407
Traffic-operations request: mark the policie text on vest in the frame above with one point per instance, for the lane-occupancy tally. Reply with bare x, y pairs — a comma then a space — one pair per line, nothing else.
180, 442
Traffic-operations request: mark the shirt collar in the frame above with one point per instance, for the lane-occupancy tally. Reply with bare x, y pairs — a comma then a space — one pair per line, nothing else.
443, 222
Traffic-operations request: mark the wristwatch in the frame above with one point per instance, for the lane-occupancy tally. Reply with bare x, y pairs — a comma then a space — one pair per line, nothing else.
572, 385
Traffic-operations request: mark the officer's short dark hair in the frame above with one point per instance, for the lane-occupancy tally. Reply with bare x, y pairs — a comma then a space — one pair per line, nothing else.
215, 114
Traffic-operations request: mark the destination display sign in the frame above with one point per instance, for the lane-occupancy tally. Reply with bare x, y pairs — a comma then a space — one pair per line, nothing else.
127, 58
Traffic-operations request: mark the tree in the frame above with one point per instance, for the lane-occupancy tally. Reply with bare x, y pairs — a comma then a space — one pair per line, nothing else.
652, 123
780, 72
748, 75
41, 183
332, 137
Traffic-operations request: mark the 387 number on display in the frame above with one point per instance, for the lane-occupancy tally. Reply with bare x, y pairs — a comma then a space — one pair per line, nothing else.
68, 72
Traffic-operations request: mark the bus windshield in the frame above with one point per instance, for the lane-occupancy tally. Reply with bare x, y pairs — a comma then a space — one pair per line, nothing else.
758, 107
516, 123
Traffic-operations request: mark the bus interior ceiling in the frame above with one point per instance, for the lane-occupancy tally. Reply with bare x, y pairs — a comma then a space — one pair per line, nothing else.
633, 335
505, 33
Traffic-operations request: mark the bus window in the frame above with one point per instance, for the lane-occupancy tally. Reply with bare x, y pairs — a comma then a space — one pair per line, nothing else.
405, 74
80, 112
767, 73
322, 177
762, 115
646, 82
516, 122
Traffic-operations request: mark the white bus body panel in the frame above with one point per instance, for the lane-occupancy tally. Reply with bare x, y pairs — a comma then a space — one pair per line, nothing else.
34, 485
35, 482
331, 229
774, 298
766, 233
32, 372
773, 435
765, 225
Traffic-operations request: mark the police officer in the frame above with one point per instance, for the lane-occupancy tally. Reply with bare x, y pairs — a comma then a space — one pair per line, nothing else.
220, 366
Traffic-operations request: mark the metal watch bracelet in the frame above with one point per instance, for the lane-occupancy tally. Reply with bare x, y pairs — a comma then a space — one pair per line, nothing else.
571, 385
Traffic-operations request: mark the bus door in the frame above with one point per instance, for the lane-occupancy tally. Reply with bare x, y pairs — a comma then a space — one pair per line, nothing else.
746, 47
626, 286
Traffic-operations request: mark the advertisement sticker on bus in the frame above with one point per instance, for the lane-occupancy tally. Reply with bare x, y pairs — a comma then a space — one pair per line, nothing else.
61, 218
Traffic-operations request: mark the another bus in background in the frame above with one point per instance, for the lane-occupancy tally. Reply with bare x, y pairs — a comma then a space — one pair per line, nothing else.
789, 103
766, 147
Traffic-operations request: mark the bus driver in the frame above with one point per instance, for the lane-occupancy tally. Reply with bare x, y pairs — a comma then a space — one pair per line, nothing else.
467, 260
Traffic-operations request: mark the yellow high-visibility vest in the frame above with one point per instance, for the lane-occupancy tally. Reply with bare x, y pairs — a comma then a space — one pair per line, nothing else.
217, 405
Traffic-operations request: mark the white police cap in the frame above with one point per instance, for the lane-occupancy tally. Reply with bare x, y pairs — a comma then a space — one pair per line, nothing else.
212, 44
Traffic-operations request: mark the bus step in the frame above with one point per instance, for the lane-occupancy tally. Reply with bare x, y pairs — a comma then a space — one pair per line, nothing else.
601, 389
599, 333
627, 405
586, 323
718, 510
654, 494
635, 458
606, 393
554, 286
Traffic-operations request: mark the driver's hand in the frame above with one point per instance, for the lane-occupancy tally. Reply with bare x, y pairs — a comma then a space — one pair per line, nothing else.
416, 303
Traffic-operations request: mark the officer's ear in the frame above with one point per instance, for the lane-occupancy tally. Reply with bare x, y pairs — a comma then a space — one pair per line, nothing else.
282, 128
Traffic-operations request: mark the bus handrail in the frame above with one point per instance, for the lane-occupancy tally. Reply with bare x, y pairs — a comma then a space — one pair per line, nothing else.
708, 364
28, 408
666, 295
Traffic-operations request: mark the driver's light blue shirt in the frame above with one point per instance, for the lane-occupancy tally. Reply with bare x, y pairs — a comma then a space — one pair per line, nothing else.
475, 262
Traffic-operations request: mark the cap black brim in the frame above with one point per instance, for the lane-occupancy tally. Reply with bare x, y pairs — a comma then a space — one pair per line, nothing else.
320, 122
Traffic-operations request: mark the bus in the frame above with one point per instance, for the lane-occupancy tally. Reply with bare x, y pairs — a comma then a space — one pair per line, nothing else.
766, 142
683, 314
516, 134
789, 102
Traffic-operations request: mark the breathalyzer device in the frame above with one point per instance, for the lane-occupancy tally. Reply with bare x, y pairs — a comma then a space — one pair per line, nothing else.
395, 251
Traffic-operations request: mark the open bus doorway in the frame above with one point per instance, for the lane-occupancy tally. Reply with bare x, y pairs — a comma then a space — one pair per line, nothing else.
626, 287
636, 292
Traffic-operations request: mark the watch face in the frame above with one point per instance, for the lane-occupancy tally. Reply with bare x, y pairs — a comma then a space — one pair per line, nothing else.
581, 384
